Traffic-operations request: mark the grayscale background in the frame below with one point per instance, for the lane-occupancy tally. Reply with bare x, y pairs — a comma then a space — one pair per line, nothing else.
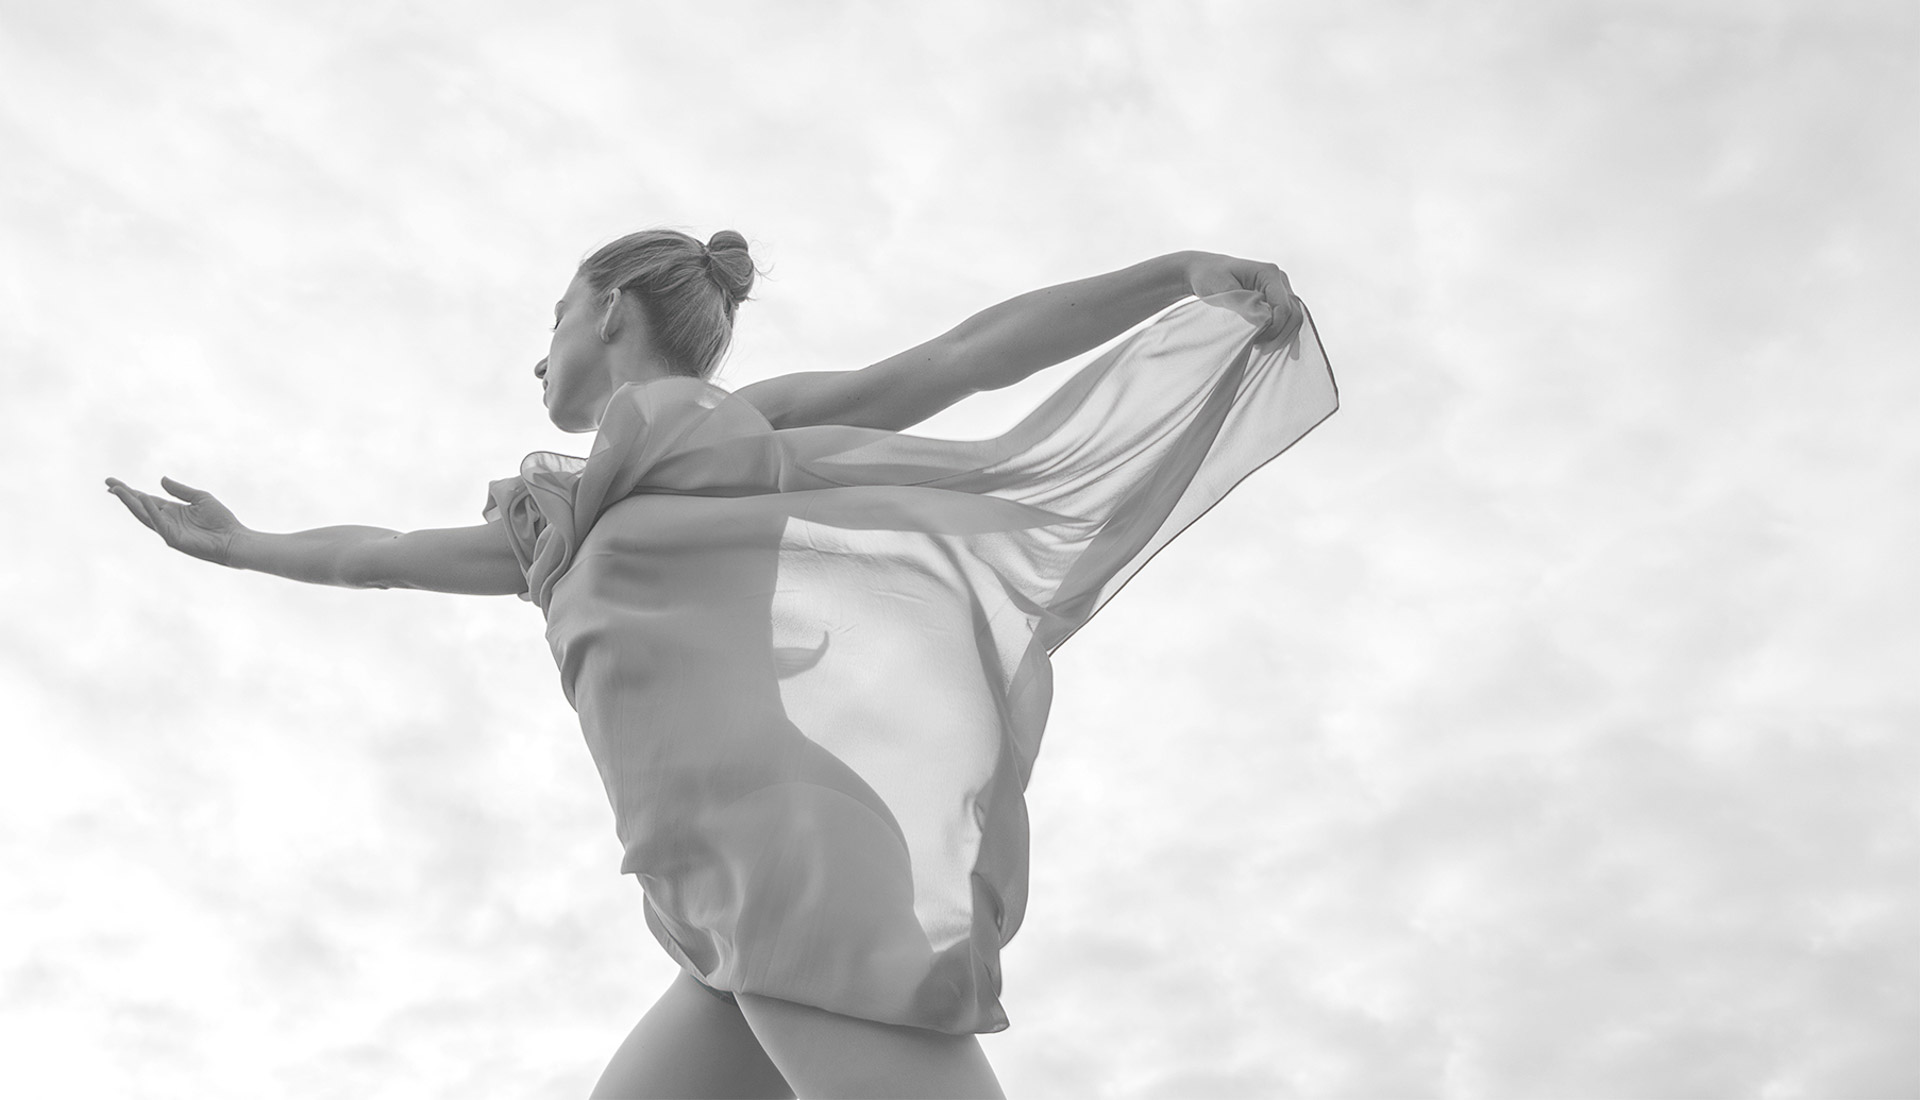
1543, 724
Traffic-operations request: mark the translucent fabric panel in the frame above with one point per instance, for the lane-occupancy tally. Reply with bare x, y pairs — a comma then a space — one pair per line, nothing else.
813, 664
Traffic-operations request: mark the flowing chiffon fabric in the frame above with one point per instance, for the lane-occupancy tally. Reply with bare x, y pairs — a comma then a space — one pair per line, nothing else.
813, 664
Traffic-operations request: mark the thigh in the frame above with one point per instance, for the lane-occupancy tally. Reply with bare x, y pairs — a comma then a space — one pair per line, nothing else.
823, 1053
690, 1044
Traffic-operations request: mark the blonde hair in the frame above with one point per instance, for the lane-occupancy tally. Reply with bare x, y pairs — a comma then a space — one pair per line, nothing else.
687, 291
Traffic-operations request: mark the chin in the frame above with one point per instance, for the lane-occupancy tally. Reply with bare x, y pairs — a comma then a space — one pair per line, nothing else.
563, 418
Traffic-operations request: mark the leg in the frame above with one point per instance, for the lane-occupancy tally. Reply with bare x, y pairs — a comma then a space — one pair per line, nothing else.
690, 1044
826, 1054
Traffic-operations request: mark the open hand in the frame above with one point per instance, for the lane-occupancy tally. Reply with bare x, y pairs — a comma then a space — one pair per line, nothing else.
202, 527
1208, 273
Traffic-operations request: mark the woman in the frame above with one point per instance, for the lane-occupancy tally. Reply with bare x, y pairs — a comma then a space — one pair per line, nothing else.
810, 653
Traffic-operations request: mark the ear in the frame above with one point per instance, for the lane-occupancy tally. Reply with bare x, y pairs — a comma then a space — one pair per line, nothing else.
611, 319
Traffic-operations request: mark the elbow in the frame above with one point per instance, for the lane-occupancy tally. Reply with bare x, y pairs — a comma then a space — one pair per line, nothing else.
959, 357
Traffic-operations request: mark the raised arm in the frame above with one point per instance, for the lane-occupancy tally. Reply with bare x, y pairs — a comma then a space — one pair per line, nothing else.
1008, 342
475, 561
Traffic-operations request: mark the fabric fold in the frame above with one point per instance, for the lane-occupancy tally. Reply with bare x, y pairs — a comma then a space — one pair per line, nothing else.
813, 664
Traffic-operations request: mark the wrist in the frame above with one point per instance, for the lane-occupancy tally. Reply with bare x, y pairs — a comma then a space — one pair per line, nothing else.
1182, 266
241, 549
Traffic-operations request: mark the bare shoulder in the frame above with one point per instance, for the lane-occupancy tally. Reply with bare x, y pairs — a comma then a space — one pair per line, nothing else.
799, 399
768, 396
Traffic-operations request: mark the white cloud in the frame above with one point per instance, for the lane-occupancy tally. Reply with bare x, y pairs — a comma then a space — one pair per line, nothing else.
1535, 726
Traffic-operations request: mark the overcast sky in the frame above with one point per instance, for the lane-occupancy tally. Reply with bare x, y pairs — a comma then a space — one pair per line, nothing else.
1542, 724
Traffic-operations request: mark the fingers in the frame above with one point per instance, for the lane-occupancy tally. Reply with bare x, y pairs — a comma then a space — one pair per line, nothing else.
1288, 322
1276, 323
1294, 320
184, 491
1287, 318
1274, 283
134, 499
1276, 290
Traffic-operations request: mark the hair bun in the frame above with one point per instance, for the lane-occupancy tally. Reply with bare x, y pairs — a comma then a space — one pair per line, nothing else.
729, 265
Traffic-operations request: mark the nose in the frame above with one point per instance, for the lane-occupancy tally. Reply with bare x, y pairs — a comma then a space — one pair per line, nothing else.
540, 370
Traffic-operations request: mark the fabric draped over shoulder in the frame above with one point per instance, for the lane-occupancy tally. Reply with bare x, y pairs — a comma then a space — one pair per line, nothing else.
812, 664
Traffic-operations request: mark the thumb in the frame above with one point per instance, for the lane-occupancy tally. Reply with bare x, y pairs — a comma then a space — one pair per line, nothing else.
184, 491
1287, 320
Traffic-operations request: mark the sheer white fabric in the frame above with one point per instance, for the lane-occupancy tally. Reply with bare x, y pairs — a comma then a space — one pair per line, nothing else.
812, 664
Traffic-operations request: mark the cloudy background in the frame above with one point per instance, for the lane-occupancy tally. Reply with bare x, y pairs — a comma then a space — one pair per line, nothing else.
1542, 724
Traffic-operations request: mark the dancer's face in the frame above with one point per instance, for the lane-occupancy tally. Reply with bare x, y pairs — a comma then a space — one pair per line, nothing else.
578, 368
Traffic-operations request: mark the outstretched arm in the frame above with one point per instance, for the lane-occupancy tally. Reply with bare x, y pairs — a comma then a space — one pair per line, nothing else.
475, 561
1008, 342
